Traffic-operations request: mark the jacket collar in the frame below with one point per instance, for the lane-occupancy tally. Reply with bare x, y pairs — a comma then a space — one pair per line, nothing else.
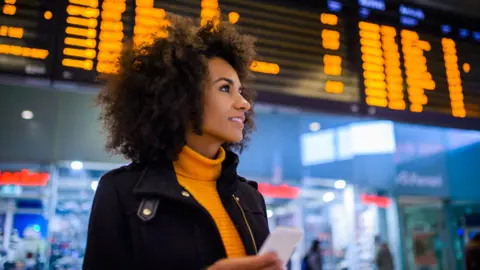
159, 179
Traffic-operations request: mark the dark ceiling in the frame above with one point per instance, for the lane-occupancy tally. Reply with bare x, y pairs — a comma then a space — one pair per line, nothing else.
468, 7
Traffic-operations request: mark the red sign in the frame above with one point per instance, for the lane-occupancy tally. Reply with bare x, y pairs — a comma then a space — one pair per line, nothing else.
279, 192
379, 201
24, 178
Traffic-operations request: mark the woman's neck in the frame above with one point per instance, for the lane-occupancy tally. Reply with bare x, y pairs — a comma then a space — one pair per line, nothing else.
203, 145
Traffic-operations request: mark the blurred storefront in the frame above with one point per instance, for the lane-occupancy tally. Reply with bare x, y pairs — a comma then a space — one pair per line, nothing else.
461, 208
420, 181
27, 203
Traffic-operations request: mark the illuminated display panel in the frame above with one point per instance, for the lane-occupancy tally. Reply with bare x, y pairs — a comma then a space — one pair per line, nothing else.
308, 46
306, 58
91, 37
300, 52
26, 39
403, 60
111, 36
419, 60
150, 23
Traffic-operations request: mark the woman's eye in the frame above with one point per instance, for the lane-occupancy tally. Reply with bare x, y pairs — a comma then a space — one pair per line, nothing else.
225, 88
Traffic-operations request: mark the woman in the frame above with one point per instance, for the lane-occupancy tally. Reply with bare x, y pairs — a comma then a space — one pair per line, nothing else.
177, 109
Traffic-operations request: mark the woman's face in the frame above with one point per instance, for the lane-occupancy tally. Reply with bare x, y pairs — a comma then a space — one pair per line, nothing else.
224, 107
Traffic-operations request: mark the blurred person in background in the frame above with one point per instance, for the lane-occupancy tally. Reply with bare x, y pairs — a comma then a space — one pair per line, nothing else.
472, 253
178, 109
383, 257
313, 258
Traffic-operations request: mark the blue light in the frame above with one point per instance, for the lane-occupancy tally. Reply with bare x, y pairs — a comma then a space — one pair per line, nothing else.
446, 28
373, 4
412, 12
334, 6
476, 36
408, 21
36, 228
364, 12
464, 33
460, 232
11, 190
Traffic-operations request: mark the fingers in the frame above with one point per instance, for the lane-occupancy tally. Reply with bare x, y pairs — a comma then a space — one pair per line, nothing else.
277, 266
269, 261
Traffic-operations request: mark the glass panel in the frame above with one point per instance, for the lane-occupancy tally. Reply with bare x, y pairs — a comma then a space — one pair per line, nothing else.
425, 235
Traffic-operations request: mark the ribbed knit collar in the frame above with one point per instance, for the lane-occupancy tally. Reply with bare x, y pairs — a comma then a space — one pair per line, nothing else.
193, 165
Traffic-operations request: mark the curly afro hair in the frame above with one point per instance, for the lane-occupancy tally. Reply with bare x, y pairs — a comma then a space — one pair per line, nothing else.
158, 92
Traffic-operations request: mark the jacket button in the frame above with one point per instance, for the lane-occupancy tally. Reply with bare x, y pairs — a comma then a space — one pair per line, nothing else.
185, 194
147, 212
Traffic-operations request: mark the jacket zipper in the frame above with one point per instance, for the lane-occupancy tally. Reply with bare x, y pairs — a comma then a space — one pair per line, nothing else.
246, 222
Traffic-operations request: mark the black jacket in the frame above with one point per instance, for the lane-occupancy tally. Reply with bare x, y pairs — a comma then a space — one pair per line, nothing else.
143, 219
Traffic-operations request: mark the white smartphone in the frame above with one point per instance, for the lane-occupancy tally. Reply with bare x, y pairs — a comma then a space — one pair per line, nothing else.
282, 241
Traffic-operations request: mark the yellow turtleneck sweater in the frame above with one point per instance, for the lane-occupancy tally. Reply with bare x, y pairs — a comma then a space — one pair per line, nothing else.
198, 175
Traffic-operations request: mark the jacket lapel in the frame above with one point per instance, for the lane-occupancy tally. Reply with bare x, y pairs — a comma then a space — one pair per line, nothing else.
160, 180
238, 216
227, 186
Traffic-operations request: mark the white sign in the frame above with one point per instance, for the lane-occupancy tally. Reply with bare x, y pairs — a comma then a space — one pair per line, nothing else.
413, 179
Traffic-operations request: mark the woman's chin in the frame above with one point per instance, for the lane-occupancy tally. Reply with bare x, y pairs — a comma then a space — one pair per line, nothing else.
234, 138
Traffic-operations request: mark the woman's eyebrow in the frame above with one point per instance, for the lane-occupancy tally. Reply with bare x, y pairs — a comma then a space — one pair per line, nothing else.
230, 81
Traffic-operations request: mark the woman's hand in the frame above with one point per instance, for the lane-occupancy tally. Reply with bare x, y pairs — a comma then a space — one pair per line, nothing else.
269, 261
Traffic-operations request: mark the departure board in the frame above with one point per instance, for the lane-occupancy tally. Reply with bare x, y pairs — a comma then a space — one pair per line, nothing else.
26, 36
300, 52
419, 60
91, 37
305, 50
403, 60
